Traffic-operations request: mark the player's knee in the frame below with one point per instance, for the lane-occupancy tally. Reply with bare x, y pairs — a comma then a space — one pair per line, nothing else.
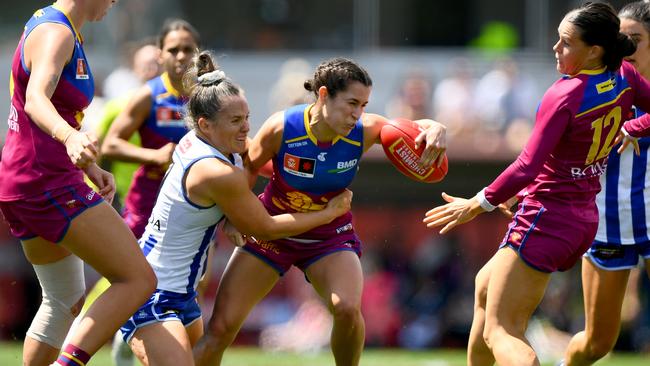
220, 330
480, 295
149, 281
481, 285
144, 284
492, 332
63, 297
346, 310
599, 347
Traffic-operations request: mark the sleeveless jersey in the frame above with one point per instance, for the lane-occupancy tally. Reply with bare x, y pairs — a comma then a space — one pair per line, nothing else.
306, 173
165, 124
179, 232
32, 161
622, 207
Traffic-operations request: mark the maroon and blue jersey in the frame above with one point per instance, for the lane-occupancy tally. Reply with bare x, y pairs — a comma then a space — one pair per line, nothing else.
308, 173
575, 127
32, 161
164, 124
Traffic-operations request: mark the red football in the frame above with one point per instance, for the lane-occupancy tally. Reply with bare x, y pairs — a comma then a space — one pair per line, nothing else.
398, 141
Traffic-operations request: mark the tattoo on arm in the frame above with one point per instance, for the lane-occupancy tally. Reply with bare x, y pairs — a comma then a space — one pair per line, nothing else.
51, 85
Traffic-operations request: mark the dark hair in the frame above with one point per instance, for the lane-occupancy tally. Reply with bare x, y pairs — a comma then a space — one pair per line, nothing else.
208, 87
639, 11
336, 74
171, 25
599, 25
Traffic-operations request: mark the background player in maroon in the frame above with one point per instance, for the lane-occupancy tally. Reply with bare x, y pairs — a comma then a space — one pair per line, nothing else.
43, 197
623, 227
556, 176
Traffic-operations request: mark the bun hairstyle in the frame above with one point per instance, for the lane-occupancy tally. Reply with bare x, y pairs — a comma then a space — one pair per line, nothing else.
208, 87
336, 74
599, 25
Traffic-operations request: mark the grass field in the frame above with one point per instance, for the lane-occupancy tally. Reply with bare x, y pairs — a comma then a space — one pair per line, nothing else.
10, 355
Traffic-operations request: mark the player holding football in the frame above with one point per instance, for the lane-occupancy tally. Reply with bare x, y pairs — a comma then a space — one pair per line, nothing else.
315, 151
557, 179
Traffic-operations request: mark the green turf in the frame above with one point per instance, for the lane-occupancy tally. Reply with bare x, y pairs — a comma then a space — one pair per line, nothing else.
10, 355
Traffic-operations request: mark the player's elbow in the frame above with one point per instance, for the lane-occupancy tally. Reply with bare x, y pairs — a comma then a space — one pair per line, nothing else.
31, 104
109, 147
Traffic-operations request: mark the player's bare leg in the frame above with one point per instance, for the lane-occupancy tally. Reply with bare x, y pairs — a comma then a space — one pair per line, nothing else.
603, 298
478, 353
506, 320
244, 283
338, 279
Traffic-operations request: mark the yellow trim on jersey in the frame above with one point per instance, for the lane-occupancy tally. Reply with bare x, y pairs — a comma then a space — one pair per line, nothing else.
345, 139
76, 32
168, 85
295, 139
604, 104
590, 72
315, 140
11, 84
307, 127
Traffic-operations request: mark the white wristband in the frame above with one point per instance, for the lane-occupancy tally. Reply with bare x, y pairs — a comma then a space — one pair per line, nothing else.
485, 204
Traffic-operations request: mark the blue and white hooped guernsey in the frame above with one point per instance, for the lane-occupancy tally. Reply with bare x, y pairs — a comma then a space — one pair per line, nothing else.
179, 232
623, 202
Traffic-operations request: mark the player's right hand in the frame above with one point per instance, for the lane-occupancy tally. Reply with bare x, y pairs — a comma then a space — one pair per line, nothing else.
164, 154
82, 148
342, 203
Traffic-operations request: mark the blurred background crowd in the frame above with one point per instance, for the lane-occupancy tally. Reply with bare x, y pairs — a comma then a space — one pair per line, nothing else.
479, 67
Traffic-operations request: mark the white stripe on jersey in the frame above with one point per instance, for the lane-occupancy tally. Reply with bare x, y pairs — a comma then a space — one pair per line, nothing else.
622, 197
179, 232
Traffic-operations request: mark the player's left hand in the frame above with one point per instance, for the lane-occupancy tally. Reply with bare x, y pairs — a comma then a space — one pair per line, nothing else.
457, 211
435, 138
102, 180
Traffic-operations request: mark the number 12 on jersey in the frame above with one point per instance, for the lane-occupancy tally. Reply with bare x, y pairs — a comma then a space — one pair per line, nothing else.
596, 151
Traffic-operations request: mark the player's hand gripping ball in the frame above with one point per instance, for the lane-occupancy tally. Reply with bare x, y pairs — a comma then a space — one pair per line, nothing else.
398, 141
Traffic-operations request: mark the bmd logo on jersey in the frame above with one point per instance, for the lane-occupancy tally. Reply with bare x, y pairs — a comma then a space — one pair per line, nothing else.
82, 70
344, 166
297, 165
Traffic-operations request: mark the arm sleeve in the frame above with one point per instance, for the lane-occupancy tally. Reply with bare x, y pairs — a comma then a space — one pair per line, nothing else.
553, 116
639, 127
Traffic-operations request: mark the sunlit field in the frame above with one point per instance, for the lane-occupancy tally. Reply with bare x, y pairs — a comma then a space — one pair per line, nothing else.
10, 355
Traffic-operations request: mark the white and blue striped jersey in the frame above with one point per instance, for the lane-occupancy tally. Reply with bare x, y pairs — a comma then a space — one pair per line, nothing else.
179, 232
624, 200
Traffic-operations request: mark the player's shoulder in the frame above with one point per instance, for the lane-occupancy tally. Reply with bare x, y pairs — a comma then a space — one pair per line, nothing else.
566, 90
218, 175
